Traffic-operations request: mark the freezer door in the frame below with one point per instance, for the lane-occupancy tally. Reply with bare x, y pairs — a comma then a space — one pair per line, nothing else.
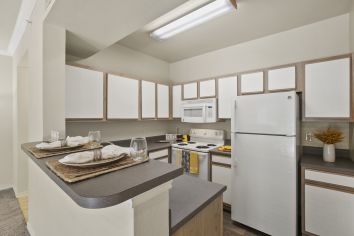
273, 113
264, 183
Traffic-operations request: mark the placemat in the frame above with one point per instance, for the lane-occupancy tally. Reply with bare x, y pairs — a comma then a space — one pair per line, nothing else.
72, 174
38, 153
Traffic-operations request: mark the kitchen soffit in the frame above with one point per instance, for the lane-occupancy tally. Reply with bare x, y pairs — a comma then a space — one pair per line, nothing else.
253, 19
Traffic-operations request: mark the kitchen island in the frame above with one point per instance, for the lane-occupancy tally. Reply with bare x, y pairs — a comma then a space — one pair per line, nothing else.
132, 201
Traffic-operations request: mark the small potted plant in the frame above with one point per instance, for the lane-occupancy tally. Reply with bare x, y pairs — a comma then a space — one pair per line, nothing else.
329, 137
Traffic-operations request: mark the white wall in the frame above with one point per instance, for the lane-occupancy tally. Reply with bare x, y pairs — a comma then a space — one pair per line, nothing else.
122, 60
321, 39
6, 95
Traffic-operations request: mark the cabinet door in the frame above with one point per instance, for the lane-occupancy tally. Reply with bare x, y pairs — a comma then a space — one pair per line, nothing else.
207, 88
328, 212
163, 101
122, 98
327, 89
176, 101
222, 175
148, 99
190, 91
83, 93
227, 92
282, 79
252, 83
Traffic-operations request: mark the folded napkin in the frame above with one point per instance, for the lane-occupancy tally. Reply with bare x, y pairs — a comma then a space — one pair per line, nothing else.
45, 146
76, 141
107, 152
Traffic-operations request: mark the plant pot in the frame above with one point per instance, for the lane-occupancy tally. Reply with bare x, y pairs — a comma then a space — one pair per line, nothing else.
329, 153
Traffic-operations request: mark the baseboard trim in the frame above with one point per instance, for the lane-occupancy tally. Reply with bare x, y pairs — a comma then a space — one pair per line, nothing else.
30, 230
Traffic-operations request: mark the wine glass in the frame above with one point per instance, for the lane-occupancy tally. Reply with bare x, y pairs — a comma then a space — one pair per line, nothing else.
139, 147
94, 137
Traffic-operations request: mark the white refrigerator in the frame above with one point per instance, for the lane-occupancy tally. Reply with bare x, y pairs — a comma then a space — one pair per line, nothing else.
264, 153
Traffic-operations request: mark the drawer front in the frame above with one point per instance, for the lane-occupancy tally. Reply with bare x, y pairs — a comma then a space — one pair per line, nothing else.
158, 154
221, 159
330, 178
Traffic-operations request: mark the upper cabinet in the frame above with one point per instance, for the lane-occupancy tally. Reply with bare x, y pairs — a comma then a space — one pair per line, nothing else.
176, 101
163, 101
282, 79
327, 89
84, 93
190, 90
207, 88
252, 83
122, 98
148, 99
227, 92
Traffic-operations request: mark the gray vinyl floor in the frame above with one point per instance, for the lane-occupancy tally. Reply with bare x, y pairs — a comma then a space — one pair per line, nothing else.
12, 222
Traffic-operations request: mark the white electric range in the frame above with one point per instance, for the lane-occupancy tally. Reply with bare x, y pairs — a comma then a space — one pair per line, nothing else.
201, 142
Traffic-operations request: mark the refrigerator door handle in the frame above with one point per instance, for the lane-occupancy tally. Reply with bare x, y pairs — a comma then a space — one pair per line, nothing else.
233, 128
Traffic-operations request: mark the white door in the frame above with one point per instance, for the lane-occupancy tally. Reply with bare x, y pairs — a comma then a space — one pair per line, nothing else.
207, 88
264, 183
273, 113
163, 101
227, 92
327, 89
328, 212
148, 99
190, 90
282, 78
252, 83
83, 93
122, 98
176, 101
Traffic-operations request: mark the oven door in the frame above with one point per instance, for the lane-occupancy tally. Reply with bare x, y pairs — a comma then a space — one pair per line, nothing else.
203, 163
194, 113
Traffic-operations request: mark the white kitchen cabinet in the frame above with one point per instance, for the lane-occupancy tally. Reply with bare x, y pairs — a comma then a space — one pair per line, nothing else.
227, 92
122, 98
190, 90
282, 79
163, 101
148, 99
327, 89
176, 101
83, 93
207, 88
328, 212
222, 174
252, 83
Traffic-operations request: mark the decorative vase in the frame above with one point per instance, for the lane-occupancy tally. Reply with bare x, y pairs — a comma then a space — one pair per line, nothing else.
329, 153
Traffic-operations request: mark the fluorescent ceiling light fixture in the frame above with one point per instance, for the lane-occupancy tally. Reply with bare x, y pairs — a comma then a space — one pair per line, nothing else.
197, 17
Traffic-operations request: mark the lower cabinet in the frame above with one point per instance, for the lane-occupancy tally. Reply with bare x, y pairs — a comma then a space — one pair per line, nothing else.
161, 155
328, 204
221, 173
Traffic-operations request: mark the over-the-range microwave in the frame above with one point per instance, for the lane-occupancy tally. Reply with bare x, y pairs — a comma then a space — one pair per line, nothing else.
199, 111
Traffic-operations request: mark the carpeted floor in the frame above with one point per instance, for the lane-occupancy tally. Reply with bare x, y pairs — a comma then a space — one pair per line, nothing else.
12, 222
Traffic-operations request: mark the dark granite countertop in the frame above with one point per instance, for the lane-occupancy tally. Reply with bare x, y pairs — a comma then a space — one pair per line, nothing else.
152, 143
217, 152
115, 187
190, 195
312, 158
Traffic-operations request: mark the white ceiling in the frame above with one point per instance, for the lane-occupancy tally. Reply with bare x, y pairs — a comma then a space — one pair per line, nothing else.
8, 15
94, 25
253, 19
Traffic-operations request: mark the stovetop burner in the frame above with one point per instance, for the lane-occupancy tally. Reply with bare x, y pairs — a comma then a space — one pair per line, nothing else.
211, 145
191, 142
202, 147
182, 144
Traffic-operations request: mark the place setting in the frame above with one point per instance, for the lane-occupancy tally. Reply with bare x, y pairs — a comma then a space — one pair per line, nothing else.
83, 165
